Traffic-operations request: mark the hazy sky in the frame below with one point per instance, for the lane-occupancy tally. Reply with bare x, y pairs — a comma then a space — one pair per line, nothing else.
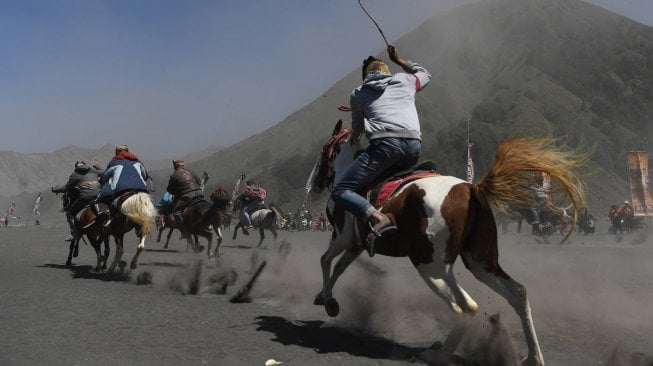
172, 77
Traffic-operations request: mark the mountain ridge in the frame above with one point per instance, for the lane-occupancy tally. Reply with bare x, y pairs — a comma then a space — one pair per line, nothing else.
505, 67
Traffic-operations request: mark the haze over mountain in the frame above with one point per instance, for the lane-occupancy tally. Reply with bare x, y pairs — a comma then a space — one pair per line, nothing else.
506, 67
510, 67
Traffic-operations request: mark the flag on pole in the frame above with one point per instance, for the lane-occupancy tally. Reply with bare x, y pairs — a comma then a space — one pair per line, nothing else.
638, 171
205, 178
470, 162
236, 189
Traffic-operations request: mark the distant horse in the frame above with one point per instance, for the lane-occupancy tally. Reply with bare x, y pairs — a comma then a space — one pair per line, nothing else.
202, 218
134, 211
263, 218
88, 225
442, 217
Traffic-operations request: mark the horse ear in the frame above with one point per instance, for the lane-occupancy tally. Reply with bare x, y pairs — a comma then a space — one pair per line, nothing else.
338, 127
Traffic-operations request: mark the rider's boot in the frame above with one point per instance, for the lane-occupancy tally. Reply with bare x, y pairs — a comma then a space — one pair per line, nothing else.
383, 227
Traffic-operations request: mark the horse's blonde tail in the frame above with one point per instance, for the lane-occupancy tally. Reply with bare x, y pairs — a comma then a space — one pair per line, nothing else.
139, 208
279, 215
507, 183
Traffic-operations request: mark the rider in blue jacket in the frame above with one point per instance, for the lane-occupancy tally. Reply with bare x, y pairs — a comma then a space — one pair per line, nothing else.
124, 173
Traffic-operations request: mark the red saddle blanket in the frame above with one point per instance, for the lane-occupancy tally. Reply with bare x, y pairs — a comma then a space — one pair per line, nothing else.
391, 186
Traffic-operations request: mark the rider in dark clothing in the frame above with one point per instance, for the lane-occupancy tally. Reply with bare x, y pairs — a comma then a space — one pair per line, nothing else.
185, 186
81, 189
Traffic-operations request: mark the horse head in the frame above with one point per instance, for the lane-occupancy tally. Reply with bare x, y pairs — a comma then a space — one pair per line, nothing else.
220, 198
338, 152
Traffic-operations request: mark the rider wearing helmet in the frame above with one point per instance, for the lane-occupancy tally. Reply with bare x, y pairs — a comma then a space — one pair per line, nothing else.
383, 108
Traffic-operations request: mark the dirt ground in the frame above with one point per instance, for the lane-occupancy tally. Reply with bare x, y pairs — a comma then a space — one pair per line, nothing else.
592, 301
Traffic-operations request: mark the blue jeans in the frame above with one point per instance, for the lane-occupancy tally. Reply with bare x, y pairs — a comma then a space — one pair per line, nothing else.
382, 158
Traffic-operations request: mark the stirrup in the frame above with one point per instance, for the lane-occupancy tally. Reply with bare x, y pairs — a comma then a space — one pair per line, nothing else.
370, 240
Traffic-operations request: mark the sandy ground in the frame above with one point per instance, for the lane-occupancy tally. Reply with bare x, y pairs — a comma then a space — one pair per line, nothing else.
592, 301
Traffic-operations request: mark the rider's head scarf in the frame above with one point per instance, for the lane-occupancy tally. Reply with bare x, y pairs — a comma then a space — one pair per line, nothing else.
121, 148
374, 65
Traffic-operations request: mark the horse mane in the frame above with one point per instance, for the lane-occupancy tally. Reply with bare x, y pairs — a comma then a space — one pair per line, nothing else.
220, 198
515, 162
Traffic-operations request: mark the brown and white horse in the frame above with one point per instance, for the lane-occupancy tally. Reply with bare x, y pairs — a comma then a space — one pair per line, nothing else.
443, 217
135, 211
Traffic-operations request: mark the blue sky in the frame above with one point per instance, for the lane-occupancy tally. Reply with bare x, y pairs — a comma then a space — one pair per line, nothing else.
172, 77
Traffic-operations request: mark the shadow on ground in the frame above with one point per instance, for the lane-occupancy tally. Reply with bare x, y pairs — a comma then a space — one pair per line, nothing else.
89, 273
327, 339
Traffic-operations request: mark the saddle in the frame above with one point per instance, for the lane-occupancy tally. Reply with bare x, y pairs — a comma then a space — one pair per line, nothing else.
382, 191
259, 207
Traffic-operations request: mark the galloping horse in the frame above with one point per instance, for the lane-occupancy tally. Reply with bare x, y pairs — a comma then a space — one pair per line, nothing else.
134, 211
442, 217
264, 218
87, 224
201, 217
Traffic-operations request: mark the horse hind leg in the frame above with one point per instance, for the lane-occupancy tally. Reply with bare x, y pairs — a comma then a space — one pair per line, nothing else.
261, 232
490, 273
118, 255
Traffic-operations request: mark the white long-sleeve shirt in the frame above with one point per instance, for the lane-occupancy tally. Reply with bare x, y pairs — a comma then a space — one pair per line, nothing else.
384, 105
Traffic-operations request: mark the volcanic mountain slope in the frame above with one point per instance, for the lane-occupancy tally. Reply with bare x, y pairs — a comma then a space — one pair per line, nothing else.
506, 67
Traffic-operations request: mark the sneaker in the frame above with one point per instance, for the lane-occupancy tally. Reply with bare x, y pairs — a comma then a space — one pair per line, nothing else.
107, 223
69, 238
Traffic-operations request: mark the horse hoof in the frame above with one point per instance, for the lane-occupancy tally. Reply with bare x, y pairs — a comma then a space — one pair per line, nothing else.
68, 263
319, 299
133, 266
332, 308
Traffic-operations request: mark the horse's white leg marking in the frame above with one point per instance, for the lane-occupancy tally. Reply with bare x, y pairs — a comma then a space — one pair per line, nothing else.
218, 241
515, 294
441, 279
139, 248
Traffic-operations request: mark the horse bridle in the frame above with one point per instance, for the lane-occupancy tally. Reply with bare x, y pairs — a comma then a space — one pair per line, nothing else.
325, 175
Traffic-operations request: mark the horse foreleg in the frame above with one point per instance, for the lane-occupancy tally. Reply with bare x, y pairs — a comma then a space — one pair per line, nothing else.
496, 279
218, 241
158, 237
329, 278
118, 255
71, 249
139, 248
107, 251
168, 238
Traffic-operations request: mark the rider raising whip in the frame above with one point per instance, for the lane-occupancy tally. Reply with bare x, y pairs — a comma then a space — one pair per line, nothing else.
383, 108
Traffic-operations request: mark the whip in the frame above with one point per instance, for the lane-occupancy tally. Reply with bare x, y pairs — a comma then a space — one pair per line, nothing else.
375, 22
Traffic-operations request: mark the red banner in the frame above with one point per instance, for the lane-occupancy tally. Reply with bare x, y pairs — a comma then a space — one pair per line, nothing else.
640, 192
